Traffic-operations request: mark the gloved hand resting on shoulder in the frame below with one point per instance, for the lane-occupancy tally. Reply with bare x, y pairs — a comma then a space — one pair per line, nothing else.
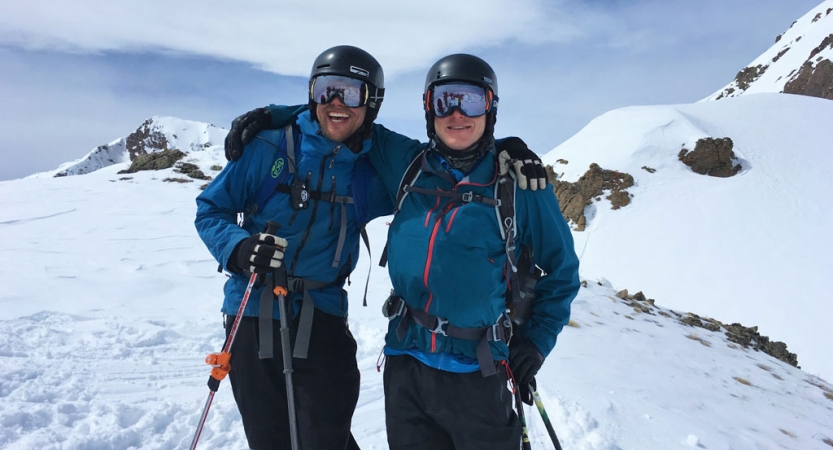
514, 156
243, 129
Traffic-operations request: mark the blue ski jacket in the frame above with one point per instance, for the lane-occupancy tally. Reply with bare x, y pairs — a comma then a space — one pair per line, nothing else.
447, 258
312, 233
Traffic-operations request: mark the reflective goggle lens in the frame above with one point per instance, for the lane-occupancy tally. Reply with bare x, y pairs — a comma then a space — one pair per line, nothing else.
352, 92
470, 100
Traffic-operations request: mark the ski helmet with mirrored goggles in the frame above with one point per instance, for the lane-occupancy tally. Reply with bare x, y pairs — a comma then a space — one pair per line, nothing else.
351, 91
471, 100
352, 63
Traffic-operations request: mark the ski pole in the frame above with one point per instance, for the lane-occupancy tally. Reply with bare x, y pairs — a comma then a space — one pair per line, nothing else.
281, 291
220, 361
525, 445
545, 417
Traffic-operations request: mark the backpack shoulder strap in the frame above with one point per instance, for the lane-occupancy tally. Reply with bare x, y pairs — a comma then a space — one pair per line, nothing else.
413, 172
284, 157
507, 223
521, 271
408, 179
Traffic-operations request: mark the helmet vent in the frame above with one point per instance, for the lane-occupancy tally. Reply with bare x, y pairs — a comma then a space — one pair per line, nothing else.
360, 71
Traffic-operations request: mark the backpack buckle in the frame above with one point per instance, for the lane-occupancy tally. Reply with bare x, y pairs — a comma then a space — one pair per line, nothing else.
439, 328
502, 330
467, 197
393, 301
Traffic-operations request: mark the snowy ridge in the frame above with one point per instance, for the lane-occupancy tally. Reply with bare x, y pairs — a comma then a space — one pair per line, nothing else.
155, 134
812, 34
752, 248
106, 349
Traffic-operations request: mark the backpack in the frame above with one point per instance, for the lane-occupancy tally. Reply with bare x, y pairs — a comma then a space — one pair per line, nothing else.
520, 269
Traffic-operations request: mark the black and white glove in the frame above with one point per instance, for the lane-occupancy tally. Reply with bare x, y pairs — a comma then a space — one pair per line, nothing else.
258, 253
243, 129
514, 156
524, 361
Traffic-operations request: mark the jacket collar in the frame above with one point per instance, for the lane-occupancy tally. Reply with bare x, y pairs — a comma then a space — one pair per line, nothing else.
483, 172
318, 144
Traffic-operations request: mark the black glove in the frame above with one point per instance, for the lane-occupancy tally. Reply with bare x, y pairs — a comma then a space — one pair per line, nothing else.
258, 253
524, 361
243, 129
515, 156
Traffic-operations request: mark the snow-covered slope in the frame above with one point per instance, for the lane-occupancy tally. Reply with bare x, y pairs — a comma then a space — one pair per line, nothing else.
753, 248
155, 134
800, 61
110, 302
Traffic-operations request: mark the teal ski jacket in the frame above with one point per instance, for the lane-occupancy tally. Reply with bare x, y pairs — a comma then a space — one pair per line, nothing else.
312, 233
447, 258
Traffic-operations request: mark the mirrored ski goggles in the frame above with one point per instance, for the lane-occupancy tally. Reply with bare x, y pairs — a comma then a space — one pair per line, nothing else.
469, 99
350, 91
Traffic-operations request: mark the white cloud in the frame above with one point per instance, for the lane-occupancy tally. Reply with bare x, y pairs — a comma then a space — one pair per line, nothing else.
281, 36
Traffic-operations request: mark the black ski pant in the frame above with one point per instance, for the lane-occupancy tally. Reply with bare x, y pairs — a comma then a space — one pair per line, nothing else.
427, 408
326, 386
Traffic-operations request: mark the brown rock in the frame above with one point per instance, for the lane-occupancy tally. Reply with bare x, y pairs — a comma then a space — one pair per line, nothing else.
713, 157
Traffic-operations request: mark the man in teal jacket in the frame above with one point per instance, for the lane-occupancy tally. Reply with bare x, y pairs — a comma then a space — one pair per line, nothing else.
447, 342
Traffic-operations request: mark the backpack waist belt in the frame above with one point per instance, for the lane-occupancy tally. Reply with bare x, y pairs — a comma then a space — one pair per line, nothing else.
396, 306
265, 315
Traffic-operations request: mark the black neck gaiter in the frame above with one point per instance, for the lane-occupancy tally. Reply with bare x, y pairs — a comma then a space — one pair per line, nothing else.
464, 160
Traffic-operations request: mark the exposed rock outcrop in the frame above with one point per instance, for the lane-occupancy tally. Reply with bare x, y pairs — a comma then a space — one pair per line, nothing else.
746, 337
146, 139
799, 62
813, 80
192, 170
574, 197
713, 157
154, 161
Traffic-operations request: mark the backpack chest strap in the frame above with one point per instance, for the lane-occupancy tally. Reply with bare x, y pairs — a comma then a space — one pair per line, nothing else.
462, 197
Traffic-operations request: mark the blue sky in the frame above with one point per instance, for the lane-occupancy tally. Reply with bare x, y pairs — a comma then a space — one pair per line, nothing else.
79, 73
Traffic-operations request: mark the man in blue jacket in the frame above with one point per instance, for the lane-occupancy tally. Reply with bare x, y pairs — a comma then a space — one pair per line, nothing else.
318, 243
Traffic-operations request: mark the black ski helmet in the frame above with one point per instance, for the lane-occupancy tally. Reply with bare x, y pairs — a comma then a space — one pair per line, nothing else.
353, 62
463, 68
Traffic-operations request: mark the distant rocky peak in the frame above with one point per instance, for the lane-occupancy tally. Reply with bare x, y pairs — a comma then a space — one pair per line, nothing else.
154, 135
800, 61
148, 138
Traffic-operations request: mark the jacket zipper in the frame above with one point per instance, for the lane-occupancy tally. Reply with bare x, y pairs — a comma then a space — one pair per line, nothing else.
314, 208
437, 223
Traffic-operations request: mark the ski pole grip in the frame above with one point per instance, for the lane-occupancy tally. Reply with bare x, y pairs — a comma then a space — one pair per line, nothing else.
271, 228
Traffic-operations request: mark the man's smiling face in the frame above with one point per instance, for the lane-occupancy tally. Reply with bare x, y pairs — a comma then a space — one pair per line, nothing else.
459, 132
338, 122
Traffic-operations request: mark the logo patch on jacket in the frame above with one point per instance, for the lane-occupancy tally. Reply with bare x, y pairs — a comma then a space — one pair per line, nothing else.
277, 168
